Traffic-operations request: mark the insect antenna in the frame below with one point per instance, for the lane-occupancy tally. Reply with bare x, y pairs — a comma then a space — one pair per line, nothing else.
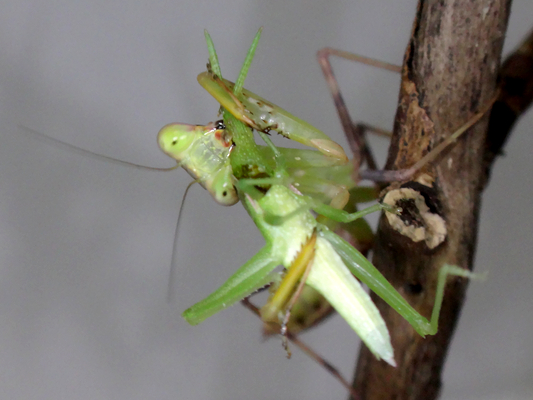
44, 138
173, 259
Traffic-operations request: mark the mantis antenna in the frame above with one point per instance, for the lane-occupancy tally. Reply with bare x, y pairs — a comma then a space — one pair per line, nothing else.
173, 259
87, 153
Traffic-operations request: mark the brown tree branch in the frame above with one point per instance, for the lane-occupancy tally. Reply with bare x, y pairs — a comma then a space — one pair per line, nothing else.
449, 73
515, 81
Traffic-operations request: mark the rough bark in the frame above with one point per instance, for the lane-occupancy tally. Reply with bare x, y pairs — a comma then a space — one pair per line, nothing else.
449, 73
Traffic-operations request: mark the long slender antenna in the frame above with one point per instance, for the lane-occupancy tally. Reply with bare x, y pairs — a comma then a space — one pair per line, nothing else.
173, 259
87, 153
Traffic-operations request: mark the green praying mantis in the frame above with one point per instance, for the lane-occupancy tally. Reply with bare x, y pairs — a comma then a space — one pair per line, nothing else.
279, 188
296, 198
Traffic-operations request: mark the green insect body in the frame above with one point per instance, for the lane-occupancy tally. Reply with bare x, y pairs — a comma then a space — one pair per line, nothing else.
284, 239
314, 173
282, 213
311, 308
187, 144
203, 151
329, 275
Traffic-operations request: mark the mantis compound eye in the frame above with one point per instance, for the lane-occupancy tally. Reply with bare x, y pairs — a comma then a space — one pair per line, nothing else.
175, 139
222, 188
227, 197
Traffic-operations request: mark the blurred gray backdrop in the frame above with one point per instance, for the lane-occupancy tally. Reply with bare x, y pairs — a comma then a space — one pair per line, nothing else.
85, 245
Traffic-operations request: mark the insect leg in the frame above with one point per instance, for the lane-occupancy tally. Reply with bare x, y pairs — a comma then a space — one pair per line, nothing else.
405, 174
354, 133
254, 274
369, 275
309, 351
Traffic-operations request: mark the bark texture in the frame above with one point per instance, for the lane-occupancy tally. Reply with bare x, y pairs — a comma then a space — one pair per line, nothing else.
449, 73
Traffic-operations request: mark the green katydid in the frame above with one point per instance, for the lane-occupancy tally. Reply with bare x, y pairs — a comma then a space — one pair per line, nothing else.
281, 211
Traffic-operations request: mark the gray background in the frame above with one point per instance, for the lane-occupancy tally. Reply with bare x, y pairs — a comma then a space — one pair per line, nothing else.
85, 245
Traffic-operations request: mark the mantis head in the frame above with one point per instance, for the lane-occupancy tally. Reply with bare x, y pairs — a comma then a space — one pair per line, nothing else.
203, 151
176, 139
